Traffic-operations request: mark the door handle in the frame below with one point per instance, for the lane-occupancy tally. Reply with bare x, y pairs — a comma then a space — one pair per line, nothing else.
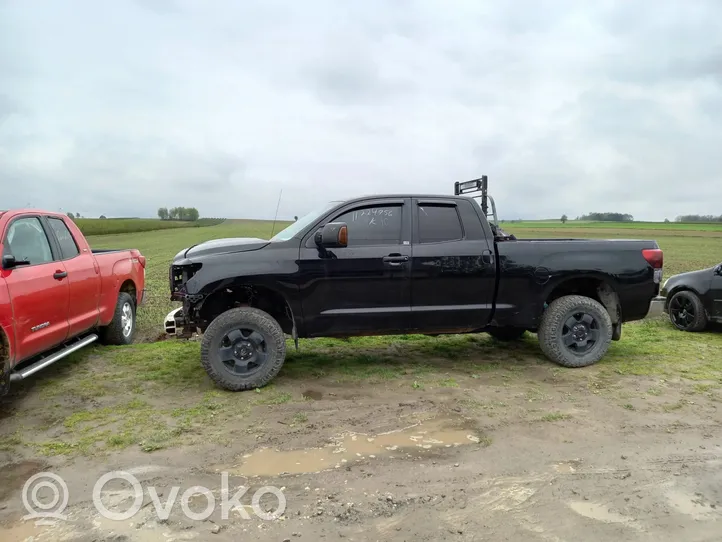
395, 260
487, 257
58, 275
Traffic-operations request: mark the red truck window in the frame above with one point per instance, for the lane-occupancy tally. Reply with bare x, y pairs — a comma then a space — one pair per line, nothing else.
68, 247
26, 240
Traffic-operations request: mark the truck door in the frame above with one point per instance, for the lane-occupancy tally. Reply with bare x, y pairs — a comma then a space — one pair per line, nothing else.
83, 278
453, 273
365, 286
38, 291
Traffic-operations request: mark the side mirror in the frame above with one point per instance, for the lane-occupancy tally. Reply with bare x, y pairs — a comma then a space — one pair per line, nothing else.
332, 235
718, 270
9, 262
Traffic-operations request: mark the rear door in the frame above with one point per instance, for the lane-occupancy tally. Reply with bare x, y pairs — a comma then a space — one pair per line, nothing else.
38, 291
364, 287
83, 278
453, 271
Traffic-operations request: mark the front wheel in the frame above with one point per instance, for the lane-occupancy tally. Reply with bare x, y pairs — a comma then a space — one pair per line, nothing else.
243, 349
686, 311
575, 331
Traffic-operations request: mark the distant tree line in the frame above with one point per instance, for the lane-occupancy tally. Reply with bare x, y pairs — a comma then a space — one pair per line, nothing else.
187, 214
607, 217
698, 218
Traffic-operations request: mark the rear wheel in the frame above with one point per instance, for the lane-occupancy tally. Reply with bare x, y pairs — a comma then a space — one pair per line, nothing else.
243, 349
575, 331
121, 329
686, 311
507, 333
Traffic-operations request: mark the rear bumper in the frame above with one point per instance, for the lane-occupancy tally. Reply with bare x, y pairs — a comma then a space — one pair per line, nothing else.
656, 307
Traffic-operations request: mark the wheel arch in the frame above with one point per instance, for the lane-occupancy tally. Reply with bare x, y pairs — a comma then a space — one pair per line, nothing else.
597, 287
129, 287
5, 361
224, 296
6, 357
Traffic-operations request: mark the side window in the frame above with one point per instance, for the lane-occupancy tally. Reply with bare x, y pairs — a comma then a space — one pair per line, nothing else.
369, 226
68, 247
439, 223
26, 240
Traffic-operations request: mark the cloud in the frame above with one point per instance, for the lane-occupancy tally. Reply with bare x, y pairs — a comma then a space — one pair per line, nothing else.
568, 106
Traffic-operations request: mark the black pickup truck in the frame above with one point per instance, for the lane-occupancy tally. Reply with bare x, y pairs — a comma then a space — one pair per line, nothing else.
397, 264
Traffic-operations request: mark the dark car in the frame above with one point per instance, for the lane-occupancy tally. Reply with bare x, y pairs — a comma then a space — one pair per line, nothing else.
397, 264
694, 299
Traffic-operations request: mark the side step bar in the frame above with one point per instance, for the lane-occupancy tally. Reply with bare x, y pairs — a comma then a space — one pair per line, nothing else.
52, 358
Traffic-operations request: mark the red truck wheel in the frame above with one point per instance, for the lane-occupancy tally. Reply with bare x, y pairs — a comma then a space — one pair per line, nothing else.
121, 329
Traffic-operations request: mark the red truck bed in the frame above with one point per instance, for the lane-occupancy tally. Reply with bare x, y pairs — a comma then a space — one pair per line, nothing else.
56, 293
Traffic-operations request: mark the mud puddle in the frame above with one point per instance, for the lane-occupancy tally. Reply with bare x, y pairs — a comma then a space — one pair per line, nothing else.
14, 476
601, 512
354, 447
312, 395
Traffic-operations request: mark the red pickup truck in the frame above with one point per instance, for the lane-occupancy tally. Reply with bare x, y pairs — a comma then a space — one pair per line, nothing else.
57, 295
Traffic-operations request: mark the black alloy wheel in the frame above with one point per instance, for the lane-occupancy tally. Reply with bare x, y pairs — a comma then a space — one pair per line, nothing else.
686, 311
243, 348
580, 333
243, 351
575, 331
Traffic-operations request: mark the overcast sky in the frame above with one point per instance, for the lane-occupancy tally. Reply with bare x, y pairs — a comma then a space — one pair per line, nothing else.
119, 107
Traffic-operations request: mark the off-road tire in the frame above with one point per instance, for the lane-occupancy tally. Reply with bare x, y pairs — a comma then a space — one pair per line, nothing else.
552, 324
699, 321
113, 332
507, 333
232, 319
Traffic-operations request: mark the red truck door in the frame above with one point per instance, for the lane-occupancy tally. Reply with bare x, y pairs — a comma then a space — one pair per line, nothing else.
83, 278
38, 291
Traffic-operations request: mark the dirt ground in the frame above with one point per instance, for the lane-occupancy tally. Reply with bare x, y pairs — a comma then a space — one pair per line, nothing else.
549, 455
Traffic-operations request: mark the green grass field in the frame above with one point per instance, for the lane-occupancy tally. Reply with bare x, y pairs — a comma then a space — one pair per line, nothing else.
108, 226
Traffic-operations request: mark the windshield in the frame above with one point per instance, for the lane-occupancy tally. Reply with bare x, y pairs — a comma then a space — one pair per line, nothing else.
303, 222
